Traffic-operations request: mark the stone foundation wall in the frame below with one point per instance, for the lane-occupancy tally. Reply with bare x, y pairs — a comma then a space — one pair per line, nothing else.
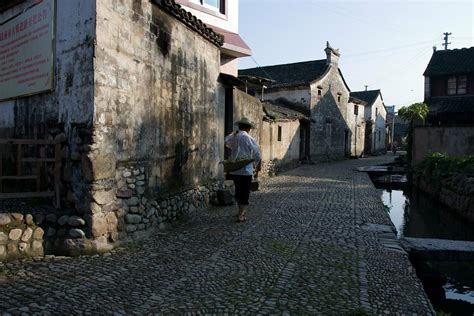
137, 214
274, 166
463, 202
20, 237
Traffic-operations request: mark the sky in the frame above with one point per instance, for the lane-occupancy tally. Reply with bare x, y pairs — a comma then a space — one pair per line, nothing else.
385, 44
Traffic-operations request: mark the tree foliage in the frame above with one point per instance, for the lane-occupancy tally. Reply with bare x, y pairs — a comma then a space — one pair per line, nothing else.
415, 112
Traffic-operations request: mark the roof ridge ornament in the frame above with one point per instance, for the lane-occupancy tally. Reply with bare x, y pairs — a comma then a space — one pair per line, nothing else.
333, 50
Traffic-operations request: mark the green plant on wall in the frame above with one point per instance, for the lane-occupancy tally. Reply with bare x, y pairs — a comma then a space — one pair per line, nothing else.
436, 167
414, 114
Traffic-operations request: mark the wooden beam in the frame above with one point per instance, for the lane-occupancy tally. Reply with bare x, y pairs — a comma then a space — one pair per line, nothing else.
57, 174
38, 160
28, 141
25, 177
22, 195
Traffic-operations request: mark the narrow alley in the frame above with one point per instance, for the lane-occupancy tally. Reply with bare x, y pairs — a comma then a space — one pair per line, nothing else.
313, 243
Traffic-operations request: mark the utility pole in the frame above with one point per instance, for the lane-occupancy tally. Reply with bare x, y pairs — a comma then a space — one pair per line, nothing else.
446, 35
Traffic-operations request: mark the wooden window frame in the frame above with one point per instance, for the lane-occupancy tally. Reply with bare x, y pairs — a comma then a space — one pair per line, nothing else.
198, 5
451, 86
456, 85
461, 84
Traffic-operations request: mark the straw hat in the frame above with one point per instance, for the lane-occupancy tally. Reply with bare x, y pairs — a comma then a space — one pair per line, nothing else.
244, 120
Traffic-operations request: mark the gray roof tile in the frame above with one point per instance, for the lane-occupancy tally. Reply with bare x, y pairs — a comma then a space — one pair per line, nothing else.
287, 75
368, 96
451, 62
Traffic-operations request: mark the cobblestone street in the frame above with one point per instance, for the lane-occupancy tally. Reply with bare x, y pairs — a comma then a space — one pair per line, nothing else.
306, 248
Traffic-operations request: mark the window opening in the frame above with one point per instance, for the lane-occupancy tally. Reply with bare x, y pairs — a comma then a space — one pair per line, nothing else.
462, 85
452, 85
279, 133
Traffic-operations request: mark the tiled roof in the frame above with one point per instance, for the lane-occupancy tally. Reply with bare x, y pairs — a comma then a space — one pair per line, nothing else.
451, 62
456, 104
282, 109
368, 96
287, 75
171, 7
357, 101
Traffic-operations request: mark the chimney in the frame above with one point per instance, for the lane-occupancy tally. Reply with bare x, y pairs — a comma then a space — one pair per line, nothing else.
434, 49
332, 55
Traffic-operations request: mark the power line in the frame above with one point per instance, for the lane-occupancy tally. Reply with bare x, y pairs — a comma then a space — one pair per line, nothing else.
405, 46
343, 12
411, 61
260, 67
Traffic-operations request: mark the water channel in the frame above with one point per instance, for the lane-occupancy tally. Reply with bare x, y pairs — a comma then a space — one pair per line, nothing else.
449, 285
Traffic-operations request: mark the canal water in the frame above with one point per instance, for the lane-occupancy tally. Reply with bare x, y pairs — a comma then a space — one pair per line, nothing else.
450, 285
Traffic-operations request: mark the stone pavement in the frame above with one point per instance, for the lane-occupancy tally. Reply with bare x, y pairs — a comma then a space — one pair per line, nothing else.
306, 248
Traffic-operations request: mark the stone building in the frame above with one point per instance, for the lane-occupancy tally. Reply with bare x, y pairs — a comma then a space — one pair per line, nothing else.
283, 134
320, 86
375, 121
137, 103
356, 121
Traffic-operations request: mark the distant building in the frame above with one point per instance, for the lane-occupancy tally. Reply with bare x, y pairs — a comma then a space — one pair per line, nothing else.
356, 121
283, 135
375, 118
449, 94
449, 86
320, 88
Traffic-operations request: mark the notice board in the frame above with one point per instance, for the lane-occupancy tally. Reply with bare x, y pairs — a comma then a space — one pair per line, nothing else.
27, 52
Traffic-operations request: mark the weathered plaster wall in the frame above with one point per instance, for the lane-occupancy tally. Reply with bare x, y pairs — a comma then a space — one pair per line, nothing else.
330, 128
154, 103
357, 126
158, 124
453, 141
70, 107
295, 95
280, 154
252, 108
71, 102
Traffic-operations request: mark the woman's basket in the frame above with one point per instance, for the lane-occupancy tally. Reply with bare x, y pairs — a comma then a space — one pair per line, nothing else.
233, 165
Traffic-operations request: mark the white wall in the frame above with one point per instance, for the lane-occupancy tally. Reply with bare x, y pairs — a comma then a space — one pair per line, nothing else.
379, 126
357, 126
229, 22
285, 151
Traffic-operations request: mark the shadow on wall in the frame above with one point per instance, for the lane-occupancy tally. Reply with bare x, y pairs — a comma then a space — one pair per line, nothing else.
330, 134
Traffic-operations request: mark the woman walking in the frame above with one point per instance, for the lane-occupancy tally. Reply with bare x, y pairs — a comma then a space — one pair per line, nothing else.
242, 145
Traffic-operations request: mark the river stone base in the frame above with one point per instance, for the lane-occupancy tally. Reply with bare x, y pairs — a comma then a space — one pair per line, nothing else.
20, 236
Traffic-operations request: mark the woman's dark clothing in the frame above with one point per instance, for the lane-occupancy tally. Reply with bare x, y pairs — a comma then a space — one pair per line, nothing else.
242, 188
